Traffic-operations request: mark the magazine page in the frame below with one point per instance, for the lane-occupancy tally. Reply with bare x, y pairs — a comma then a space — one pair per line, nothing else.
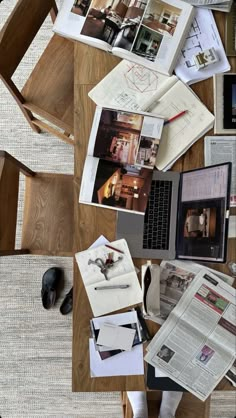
105, 266
115, 186
125, 137
155, 33
203, 35
221, 149
196, 345
76, 15
128, 86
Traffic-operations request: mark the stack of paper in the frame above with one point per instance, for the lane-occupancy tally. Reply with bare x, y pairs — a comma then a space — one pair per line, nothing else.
112, 335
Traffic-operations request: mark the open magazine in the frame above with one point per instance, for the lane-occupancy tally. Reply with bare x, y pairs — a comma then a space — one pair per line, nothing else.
149, 32
195, 347
175, 278
122, 152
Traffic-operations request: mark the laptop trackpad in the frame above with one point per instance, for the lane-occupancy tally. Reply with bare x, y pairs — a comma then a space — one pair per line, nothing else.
130, 226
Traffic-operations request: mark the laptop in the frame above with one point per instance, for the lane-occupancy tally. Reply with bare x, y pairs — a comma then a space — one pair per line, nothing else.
186, 216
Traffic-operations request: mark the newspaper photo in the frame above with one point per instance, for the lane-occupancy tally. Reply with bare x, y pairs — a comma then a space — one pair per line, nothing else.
175, 278
231, 374
196, 347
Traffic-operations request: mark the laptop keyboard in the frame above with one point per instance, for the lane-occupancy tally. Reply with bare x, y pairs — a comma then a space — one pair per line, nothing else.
157, 216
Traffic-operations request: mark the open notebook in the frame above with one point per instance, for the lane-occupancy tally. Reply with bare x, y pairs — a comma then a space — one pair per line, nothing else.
177, 137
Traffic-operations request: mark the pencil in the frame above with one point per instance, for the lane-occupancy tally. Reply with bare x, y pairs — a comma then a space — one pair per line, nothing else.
115, 249
175, 117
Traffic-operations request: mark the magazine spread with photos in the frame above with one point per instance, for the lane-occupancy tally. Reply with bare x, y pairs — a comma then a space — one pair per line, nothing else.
122, 152
196, 345
149, 32
225, 103
175, 278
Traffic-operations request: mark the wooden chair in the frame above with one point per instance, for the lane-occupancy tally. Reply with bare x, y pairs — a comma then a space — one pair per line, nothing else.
189, 407
49, 91
48, 210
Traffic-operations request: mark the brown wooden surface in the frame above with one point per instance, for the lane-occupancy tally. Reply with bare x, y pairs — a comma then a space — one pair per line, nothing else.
91, 65
189, 407
48, 92
48, 210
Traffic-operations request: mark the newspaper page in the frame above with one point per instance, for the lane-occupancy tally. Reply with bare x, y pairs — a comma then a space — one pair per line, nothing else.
221, 149
231, 374
175, 278
196, 345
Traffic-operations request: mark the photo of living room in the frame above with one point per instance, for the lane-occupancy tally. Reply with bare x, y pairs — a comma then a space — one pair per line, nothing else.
114, 21
118, 136
147, 43
147, 151
200, 223
122, 186
161, 17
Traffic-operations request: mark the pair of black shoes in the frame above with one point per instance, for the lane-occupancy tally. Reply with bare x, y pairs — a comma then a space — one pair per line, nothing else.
52, 284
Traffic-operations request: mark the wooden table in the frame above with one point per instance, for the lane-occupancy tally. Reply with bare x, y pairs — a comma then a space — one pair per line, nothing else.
91, 65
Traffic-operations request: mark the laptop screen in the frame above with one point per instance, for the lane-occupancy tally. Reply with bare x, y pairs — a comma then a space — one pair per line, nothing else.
203, 204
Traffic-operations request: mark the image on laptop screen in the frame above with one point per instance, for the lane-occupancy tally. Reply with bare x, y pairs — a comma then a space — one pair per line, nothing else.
203, 204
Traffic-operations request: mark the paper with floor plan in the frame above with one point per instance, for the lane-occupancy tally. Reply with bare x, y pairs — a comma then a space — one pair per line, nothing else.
203, 35
178, 136
127, 86
195, 346
122, 272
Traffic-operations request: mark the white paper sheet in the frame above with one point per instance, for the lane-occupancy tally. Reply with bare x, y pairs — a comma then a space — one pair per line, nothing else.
123, 364
202, 35
116, 337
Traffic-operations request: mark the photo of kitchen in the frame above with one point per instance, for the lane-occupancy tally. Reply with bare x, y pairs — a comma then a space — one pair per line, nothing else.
122, 186
118, 136
147, 151
80, 7
161, 17
114, 21
147, 43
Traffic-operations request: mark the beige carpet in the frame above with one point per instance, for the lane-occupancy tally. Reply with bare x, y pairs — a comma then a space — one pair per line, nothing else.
35, 345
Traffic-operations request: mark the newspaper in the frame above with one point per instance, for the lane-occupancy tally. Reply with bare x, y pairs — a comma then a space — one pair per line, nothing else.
221, 149
196, 345
231, 374
175, 278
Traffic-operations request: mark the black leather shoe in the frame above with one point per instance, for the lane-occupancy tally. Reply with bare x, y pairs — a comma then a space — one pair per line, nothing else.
67, 304
51, 282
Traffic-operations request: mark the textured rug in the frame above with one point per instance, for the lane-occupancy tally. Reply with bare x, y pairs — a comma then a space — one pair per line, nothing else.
35, 345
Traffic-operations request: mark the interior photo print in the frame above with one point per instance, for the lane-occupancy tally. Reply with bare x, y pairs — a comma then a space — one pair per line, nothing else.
114, 21
229, 89
120, 138
200, 222
122, 186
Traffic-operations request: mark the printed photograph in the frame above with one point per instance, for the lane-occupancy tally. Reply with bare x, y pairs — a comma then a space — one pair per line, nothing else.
147, 151
118, 136
114, 21
229, 93
80, 7
165, 353
147, 43
205, 354
234, 100
212, 299
200, 223
161, 17
122, 186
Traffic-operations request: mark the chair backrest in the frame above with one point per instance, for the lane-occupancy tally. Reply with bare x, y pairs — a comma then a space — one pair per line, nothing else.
10, 170
20, 30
